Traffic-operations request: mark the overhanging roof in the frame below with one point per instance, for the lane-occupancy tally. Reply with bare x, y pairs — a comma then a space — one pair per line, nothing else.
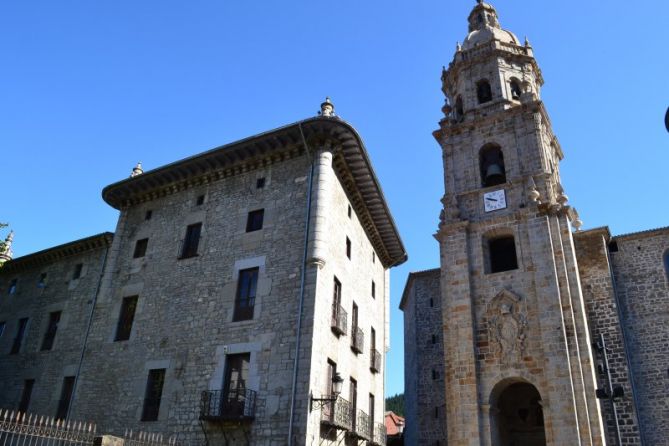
50, 255
351, 162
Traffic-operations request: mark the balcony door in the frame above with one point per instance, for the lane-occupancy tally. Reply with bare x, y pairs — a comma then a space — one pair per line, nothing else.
234, 385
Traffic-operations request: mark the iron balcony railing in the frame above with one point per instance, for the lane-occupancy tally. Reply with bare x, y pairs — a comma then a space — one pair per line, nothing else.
339, 317
357, 339
374, 360
233, 405
379, 434
362, 427
337, 414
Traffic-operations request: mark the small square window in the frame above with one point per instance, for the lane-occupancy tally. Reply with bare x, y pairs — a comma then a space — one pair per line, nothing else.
260, 183
41, 283
12, 286
140, 248
348, 247
148, 215
200, 200
77, 271
255, 220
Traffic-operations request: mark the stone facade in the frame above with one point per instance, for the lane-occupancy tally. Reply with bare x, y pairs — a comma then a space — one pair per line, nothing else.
523, 297
323, 219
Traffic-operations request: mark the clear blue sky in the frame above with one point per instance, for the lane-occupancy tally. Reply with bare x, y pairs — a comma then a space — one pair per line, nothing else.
88, 88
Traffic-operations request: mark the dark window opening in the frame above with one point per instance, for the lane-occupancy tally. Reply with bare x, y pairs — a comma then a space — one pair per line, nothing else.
350, 211
371, 409
27, 392
491, 163
41, 283
373, 257
154, 392
246, 294
260, 183
51, 329
331, 372
65, 397
435, 374
12, 286
140, 248
502, 254
234, 398
191, 242
348, 247
613, 246
200, 200
436, 411
666, 263
148, 215
126, 318
255, 220
459, 109
79, 267
434, 339
515, 89
483, 91
2, 328
431, 302
20, 334
353, 399
373, 290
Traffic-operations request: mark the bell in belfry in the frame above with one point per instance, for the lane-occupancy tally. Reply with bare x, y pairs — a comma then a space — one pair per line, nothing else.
494, 175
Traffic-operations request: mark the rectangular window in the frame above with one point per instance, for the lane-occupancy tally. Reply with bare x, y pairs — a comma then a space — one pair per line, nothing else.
373, 257
65, 397
332, 371
20, 334
260, 183
126, 318
350, 211
140, 248
255, 220
148, 215
373, 290
348, 247
2, 328
78, 268
153, 394
192, 240
51, 329
200, 200
371, 409
28, 385
41, 283
12, 286
353, 399
246, 294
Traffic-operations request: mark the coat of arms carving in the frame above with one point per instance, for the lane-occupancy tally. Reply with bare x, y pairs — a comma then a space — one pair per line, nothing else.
506, 326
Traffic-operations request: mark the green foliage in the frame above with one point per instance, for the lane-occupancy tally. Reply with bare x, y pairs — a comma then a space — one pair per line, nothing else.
395, 403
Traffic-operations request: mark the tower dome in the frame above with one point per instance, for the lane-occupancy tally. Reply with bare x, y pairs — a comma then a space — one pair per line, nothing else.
484, 27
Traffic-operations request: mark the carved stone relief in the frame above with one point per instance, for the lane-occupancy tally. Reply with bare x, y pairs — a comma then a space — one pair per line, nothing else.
507, 326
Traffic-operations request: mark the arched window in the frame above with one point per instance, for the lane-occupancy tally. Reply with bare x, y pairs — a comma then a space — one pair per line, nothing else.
666, 263
491, 163
500, 253
459, 110
483, 91
515, 89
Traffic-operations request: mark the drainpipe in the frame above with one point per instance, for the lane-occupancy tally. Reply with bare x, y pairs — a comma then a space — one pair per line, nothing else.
307, 223
88, 331
623, 331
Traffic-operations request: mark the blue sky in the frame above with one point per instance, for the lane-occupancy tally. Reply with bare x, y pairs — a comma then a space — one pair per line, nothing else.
89, 88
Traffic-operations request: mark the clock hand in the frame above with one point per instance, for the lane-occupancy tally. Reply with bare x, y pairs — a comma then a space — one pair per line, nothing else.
491, 199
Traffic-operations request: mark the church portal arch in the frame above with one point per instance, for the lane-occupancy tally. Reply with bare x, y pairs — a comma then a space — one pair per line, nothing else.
516, 415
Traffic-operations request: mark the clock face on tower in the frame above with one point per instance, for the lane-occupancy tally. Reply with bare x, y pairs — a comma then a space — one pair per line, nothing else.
494, 200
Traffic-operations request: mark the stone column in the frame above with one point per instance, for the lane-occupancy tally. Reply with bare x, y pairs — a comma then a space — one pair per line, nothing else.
321, 191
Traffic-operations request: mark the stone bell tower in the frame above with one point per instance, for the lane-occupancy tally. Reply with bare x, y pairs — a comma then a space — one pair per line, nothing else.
518, 365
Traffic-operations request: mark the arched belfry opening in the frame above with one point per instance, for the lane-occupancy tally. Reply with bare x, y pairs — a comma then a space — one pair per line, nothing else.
491, 164
516, 415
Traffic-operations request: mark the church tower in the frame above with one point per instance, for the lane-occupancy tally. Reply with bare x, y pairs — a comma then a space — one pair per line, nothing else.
518, 363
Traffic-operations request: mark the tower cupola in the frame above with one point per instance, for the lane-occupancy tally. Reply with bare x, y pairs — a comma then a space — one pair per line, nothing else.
484, 27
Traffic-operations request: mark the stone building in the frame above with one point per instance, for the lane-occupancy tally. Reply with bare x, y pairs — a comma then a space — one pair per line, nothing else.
528, 333
242, 289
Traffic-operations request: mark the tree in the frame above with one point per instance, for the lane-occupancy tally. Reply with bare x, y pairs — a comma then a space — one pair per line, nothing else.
395, 404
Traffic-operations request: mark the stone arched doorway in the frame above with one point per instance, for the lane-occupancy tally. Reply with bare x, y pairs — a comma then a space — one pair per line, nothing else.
517, 417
